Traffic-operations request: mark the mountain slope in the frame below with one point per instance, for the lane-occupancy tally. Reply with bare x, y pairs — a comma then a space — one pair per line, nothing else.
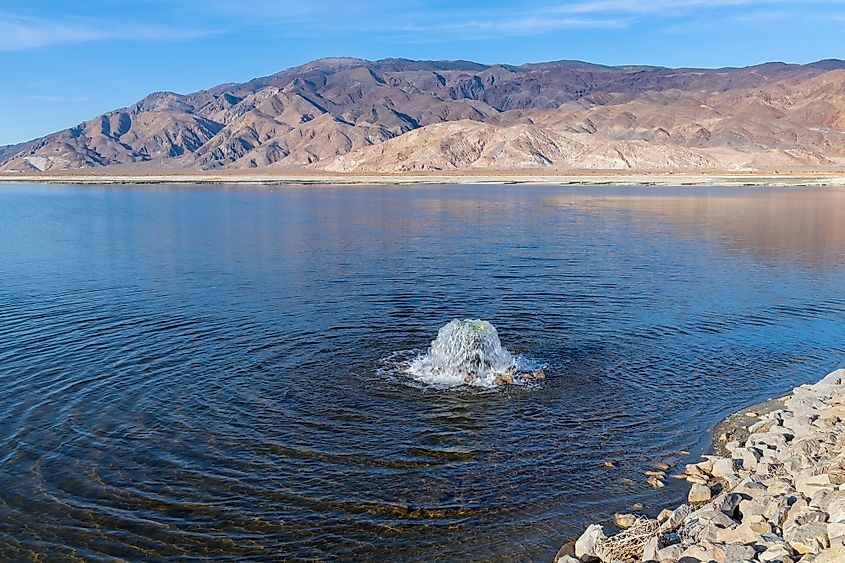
397, 114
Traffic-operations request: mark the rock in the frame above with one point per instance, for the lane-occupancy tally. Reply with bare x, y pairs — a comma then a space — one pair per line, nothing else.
637, 506
655, 482
762, 426
699, 493
807, 538
586, 544
701, 480
567, 553
608, 464
738, 552
697, 553
777, 553
809, 485
823, 498
658, 474
750, 487
748, 457
503, 380
662, 466
773, 508
833, 379
728, 503
670, 553
725, 469
751, 528
664, 515
833, 555
650, 549
676, 518
767, 440
836, 533
624, 521
836, 510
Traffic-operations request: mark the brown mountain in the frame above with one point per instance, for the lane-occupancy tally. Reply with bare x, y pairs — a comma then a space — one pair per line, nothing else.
397, 115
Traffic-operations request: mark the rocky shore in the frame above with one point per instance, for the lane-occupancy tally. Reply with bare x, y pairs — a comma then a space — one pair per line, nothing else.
776, 494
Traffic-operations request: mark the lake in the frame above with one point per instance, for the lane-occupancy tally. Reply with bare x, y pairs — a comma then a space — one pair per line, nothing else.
205, 372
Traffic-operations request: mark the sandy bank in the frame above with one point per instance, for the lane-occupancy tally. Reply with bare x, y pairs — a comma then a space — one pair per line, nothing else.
589, 179
774, 493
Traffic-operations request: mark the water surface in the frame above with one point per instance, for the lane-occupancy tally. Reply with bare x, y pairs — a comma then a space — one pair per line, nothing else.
204, 373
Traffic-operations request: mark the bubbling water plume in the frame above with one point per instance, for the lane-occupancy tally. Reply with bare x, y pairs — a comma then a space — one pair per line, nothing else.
469, 352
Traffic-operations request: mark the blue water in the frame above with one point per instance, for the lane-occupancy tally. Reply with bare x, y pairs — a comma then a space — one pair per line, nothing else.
195, 373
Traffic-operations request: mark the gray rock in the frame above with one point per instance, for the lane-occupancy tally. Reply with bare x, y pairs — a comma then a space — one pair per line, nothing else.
833, 555
773, 508
777, 553
836, 510
586, 544
676, 519
836, 534
725, 468
751, 528
650, 550
699, 493
807, 538
833, 379
670, 553
809, 485
735, 552
748, 457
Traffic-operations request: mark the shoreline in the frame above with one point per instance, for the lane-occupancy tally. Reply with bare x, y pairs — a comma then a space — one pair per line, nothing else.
770, 488
575, 179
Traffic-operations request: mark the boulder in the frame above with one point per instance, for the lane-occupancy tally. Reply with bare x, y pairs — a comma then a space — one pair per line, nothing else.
807, 538
808, 485
833, 555
748, 457
725, 468
699, 494
650, 550
624, 521
777, 553
751, 528
738, 552
836, 510
670, 553
585, 546
836, 533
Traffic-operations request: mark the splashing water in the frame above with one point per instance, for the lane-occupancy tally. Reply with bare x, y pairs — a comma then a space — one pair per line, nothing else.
469, 352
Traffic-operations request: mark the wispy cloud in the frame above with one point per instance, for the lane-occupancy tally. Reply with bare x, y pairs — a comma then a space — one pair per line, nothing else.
515, 25
668, 7
21, 33
59, 99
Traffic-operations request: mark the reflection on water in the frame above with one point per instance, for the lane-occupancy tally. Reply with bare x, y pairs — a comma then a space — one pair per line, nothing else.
198, 373
799, 224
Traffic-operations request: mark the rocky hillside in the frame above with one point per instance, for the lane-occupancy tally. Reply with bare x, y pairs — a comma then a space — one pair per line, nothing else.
396, 115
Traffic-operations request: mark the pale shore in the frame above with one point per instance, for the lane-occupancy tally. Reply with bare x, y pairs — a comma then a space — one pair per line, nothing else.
773, 492
299, 179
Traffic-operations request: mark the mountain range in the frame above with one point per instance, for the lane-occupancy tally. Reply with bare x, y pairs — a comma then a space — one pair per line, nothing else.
346, 115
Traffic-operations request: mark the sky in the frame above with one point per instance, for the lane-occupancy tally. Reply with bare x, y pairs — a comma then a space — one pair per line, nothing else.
65, 61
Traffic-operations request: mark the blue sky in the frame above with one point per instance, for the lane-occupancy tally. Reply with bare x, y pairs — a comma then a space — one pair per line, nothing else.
64, 61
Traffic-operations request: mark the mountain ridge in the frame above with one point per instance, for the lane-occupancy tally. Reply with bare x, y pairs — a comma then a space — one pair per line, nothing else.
349, 114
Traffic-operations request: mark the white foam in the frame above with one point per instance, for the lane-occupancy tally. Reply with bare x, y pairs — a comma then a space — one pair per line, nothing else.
466, 352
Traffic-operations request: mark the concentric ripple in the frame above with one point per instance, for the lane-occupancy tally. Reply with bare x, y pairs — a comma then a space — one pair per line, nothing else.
211, 373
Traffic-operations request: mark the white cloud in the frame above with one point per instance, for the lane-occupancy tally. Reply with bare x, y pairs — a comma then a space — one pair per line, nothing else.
482, 28
19, 33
